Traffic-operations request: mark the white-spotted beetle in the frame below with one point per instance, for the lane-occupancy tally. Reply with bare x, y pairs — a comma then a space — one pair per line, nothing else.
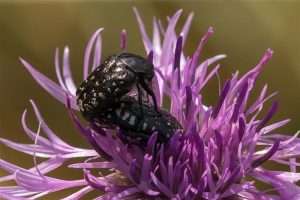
103, 98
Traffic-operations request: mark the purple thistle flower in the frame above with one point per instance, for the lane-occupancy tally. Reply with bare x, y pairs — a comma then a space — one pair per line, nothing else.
220, 148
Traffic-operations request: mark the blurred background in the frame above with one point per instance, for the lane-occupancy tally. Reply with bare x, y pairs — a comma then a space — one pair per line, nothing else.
243, 30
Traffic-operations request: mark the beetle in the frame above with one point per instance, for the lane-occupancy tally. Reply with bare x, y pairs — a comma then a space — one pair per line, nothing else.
103, 98
111, 80
126, 116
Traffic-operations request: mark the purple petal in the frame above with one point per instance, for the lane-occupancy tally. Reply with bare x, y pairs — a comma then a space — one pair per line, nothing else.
258, 101
177, 57
168, 41
160, 185
88, 51
222, 97
57, 69
219, 143
242, 125
41, 140
126, 192
51, 87
16, 191
286, 189
79, 193
123, 41
96, 165
234, 175
145, 38
134, 172
52, 136
202, 83
34, 182
150, 56
43, 167
268, 116
188, 94
208, 62
253, 74
236, 189
87, 134
146, 167
10, 197
156, 39
239, 102
197, 54
274, 126
267, 155
69, 82
97, 52
186, 27
151, 144
29, 149
94, 182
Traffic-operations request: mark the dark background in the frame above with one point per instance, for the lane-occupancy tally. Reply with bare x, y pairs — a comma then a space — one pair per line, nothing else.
243, 30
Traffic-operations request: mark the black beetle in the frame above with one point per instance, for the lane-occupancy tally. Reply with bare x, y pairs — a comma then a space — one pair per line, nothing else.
127, 116
113, 79
103, 98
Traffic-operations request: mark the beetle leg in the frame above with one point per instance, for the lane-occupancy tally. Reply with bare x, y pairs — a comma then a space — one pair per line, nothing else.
149, 91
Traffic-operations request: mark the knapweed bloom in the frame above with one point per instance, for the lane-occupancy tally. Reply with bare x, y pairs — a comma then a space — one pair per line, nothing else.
219, 154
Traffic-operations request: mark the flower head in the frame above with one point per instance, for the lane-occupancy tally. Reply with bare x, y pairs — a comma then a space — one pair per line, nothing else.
218, 154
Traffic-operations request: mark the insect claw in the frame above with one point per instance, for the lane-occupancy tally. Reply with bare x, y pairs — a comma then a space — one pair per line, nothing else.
148, 89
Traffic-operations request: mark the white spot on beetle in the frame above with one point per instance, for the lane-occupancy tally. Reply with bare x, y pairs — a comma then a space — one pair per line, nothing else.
118, 69
118, 112
94, 102
80, 104
101, 95
126, 115
114, 84
87, 107
109, 90
132, 120
108, 116
145, 126
153, 128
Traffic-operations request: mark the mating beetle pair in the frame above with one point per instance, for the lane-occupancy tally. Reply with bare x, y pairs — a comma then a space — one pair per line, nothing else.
103, 98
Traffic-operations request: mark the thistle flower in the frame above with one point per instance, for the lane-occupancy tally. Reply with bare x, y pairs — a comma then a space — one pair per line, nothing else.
218, 154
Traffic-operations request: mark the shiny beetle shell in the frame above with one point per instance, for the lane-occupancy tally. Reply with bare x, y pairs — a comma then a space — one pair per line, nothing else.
103, 98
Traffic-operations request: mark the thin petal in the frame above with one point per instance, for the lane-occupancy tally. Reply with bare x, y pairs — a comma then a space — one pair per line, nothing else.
69, 82
97, 52
88, 51
57, 69
123, 41
145, 38
51, 87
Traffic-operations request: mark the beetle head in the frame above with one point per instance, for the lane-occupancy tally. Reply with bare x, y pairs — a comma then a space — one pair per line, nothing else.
139, 65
